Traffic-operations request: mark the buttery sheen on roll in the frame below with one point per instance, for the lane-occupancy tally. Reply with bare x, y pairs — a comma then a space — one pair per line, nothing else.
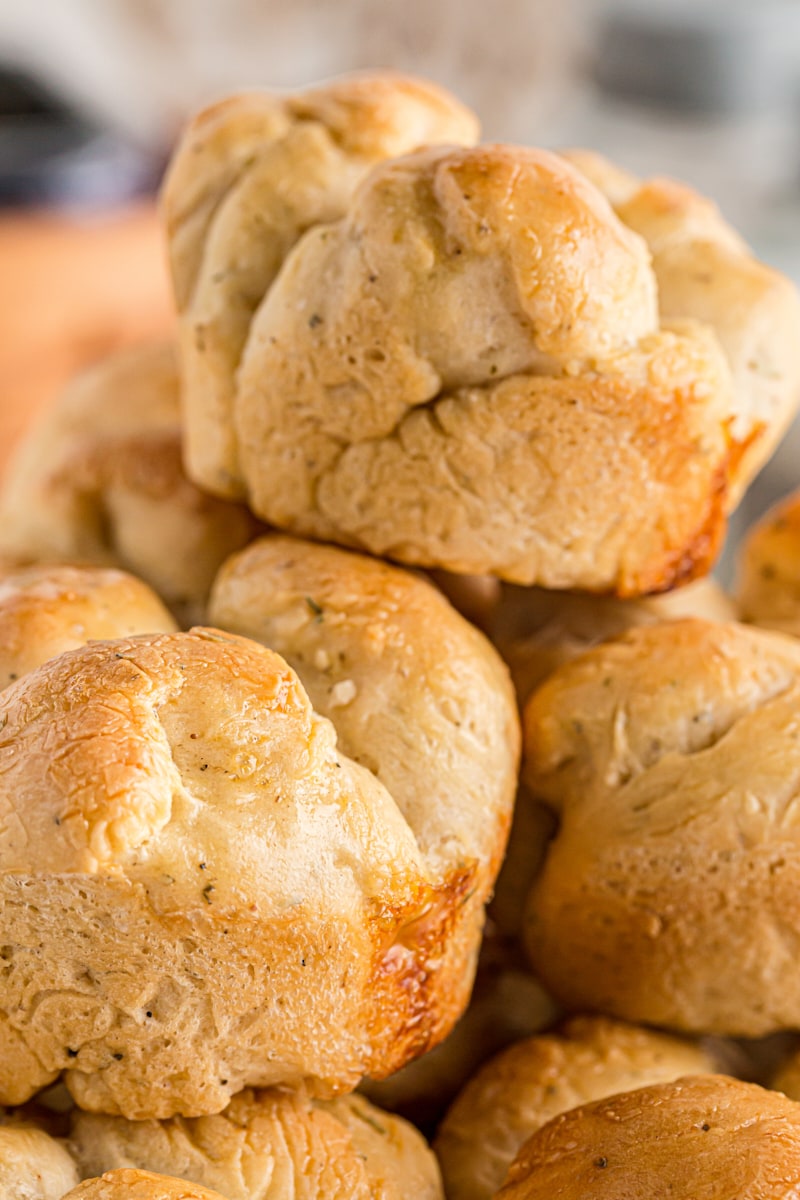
204, 892
46, 610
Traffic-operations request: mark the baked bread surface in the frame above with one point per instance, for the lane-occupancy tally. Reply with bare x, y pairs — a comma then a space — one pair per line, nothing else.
534, 1080
536, 631
670, 758
100, 480
507, 1003
200, 891
129, 1184
705, 271
415, 692
478, 374
46, 610
269, 1145
700, 1138
33, 1165
251, 175
768, 585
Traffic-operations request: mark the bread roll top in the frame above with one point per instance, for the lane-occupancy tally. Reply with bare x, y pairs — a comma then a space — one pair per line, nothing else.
707, 1136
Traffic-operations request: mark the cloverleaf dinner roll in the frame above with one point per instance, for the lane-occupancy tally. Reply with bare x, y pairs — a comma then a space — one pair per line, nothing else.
468, 370
705, 271
703, 1136
130, 1184
532, 1081
768, 588
250, 177
272, 1143
100, 480
45, 610
670, 758
200, 891
33, 1165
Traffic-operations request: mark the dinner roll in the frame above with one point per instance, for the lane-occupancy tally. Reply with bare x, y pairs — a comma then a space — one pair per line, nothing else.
704, 1136
249, 177
100, 480
768, 588
272, 1143
33, 1165
468, 371
45, 610
705, 271
528, 1084
201, 892
669, 893
536, 631
140, 1185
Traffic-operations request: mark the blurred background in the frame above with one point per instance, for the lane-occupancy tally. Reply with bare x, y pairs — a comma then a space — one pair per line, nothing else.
93, 93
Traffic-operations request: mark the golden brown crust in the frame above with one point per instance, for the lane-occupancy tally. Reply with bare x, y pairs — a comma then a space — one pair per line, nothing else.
271, 1142
706, 1136
33, 1165
250, 176
531, 1082
100, 480
129, 1184
416, 695
671, 759
768, 585
280, 919
468, 395
706, 272
46, 610
507, 1003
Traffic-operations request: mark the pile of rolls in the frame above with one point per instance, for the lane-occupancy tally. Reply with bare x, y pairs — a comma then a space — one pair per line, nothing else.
378, 759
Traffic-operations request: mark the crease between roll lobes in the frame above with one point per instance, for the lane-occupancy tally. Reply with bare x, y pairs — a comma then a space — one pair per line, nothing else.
463, 357
200, 891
